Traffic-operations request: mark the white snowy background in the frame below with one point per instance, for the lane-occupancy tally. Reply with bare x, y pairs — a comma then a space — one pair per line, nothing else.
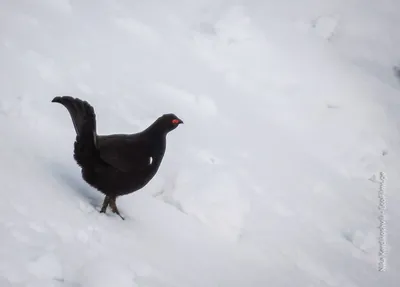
291, 112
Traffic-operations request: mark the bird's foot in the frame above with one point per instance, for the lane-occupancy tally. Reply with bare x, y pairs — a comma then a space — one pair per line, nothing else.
117, 212
114, 208
106, 202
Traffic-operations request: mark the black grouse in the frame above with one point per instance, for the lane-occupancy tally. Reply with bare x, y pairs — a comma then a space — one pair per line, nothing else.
116, 164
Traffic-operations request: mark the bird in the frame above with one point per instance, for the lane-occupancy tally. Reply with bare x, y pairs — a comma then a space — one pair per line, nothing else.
116, 164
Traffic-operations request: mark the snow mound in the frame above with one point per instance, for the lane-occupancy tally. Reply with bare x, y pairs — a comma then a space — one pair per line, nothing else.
290, 112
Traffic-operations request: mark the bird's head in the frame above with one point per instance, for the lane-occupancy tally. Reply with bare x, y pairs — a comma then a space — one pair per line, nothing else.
168, 122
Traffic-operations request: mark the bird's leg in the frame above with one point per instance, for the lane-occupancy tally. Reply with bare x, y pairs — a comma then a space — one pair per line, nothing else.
106, 202
114, 207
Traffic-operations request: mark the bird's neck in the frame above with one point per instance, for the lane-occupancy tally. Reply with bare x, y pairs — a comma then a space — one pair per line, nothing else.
157, 137
156, 130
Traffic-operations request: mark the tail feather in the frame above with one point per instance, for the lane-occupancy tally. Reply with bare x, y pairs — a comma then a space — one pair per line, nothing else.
79, 111
83, 117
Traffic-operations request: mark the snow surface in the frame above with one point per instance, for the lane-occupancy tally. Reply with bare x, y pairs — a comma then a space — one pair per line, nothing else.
291, 114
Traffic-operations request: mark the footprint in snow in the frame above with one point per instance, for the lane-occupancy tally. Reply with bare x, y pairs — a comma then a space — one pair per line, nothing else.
207, 157
362, 241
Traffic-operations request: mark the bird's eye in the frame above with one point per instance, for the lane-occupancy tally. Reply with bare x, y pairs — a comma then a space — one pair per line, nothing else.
175, 121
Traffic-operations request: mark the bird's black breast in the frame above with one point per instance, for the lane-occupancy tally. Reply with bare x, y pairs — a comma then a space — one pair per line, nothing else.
131, 161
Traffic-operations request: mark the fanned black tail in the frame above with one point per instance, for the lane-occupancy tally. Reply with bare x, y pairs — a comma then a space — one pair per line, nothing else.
83, 117
80, 112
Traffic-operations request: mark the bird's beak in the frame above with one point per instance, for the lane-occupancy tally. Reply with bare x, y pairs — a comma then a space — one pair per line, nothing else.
180, 121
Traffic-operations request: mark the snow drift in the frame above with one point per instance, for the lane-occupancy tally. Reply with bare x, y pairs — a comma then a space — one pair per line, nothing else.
290, 118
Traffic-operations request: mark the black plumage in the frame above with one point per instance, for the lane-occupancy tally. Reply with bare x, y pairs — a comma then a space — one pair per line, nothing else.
116, 164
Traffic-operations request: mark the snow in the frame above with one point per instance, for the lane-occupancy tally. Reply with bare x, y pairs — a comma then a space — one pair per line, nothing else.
290, 111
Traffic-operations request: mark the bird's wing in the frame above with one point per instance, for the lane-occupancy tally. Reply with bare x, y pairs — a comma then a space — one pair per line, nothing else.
125, 153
